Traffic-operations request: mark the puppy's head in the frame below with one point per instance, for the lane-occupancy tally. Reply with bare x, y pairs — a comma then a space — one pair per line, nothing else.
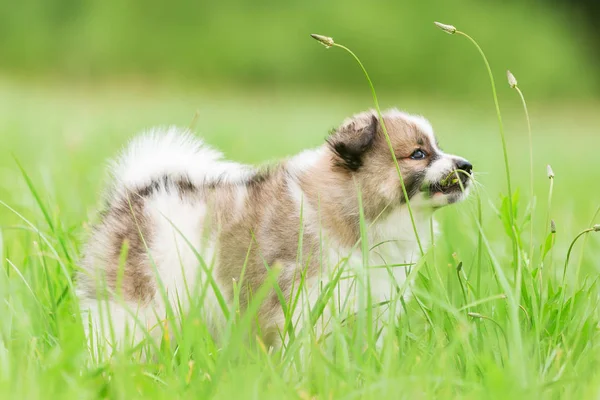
361, 154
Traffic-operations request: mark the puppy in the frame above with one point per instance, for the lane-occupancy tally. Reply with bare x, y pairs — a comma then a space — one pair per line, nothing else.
180, 220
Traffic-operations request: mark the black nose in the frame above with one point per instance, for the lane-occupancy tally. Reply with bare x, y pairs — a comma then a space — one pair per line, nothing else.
465, 166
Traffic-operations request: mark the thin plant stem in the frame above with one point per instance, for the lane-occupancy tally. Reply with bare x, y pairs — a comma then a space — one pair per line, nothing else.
583, 245
578, 269
548, 212
389, 143
500, 123
516, 334
532, 194
504, 147
550, 191
588, 230
328, 42
564, 288
462, 287
479, 242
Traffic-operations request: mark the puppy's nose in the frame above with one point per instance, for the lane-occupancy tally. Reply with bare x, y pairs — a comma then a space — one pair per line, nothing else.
464, 165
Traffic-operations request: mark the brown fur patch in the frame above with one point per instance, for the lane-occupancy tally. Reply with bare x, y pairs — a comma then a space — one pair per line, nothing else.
124, 228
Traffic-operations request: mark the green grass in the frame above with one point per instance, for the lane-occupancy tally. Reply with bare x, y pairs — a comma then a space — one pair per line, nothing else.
457, 340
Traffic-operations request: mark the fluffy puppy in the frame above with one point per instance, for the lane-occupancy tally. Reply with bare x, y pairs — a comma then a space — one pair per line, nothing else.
179, 219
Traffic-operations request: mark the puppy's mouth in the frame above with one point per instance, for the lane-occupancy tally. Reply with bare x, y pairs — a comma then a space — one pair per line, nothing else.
456, 181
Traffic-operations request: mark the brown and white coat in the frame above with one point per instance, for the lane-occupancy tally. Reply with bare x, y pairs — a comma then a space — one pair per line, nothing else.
174, 198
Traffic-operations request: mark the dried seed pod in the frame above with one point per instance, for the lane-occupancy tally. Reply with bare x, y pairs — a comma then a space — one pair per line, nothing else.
450, 29
512, 81
324, 40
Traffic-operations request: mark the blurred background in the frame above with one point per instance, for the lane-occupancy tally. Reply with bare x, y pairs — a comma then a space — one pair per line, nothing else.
550, 44
78, 78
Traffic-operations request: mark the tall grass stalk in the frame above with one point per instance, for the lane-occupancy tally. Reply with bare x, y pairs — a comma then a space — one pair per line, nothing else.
329, 42
581, 254
452, 30
536, 295
513, 83
550, 231
513, 297
595, 228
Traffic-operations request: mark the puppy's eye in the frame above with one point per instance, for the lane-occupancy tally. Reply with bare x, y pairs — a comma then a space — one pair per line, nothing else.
418, 155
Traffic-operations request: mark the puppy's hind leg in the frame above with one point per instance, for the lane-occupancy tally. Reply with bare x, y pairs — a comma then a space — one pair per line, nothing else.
112, 326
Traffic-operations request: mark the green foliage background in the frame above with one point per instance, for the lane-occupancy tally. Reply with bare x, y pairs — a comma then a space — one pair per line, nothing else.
265, 42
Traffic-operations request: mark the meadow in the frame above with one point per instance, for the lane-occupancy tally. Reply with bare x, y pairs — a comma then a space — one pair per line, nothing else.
480, 324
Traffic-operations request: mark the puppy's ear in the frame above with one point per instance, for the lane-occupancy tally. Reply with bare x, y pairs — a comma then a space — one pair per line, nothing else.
352, 140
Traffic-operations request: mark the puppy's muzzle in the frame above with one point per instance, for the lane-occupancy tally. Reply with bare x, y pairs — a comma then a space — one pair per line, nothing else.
457, 180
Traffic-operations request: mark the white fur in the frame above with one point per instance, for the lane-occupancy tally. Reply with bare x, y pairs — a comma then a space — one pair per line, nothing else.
174, 152
304, 160
418, 120
177, 226
240, 201
392, 241
440, 168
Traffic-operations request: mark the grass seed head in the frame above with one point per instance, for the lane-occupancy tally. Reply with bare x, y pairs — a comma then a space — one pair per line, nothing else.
324, 40
549, 172
552, 226
512, 81
450, 29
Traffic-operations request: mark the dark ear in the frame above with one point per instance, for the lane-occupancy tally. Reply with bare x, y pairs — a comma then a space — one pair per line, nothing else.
352, 140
